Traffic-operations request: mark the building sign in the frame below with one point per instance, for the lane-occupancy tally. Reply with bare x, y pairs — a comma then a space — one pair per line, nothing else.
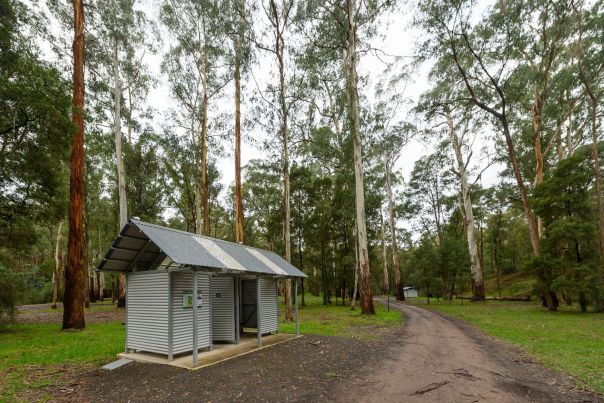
187, 299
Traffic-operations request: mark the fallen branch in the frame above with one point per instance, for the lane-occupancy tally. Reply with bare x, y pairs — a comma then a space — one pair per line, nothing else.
428, 388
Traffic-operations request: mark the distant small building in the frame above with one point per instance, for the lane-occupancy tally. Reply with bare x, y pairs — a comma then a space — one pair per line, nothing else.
410, 292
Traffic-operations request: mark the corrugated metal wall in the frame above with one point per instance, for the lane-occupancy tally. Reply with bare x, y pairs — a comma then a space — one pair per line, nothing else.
223, 305
147, 312
183, 317
268, 305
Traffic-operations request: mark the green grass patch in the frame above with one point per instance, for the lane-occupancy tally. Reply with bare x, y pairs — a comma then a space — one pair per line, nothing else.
46, 343
567, 341
32, 347
339, 320
512, 284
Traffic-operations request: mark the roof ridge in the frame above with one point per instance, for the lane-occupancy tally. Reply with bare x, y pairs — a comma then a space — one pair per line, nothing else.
136, 221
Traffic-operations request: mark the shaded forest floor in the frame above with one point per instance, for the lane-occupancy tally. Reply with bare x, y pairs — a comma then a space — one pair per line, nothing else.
99, 312
567, 341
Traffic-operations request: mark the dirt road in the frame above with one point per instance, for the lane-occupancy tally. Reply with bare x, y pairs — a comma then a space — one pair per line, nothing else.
440, 359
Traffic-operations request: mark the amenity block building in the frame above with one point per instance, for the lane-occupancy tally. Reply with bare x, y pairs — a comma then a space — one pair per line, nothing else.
185, 292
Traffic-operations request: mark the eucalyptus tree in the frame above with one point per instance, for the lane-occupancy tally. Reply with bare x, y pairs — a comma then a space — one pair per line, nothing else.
438, 108
194, 66
280, 15
237, 15
73, 297
385, 274
392, 135
590, 58
485, 56
432, 208
540, 32
337, 31
120, 36
428, 187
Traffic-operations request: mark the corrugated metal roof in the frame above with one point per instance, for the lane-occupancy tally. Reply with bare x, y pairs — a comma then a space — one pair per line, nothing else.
147, 246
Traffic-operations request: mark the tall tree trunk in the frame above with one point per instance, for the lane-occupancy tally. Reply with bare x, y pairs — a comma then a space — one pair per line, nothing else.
468, 213
398, 278
119, 160
205, 193
533, 226
355, 124
73, 297
56, 275
238, 200
279, 49
539, 157
385, 279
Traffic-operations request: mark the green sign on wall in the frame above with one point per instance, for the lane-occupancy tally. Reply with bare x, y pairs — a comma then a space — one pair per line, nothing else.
187, 299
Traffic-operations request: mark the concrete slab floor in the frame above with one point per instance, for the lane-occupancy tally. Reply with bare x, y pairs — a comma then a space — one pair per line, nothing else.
220, 352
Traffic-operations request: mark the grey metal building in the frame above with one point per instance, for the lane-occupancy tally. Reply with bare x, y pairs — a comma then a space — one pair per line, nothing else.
185, 291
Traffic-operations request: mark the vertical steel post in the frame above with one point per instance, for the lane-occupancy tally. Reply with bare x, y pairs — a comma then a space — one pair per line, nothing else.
277, 302
210, 310
236, 285
296, 302
126, 312
258, 320
195, 349
170, 318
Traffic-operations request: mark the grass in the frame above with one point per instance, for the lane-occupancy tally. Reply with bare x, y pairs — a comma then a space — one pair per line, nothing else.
33, 347
512, 284
566, 341
332, 320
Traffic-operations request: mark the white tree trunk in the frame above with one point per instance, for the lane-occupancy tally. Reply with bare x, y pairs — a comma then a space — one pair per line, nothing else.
117, 128
398, 278
475, 267
385, 280
119, 160
354, 112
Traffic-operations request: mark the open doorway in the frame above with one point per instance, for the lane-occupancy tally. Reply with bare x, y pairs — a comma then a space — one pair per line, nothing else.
248, 305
